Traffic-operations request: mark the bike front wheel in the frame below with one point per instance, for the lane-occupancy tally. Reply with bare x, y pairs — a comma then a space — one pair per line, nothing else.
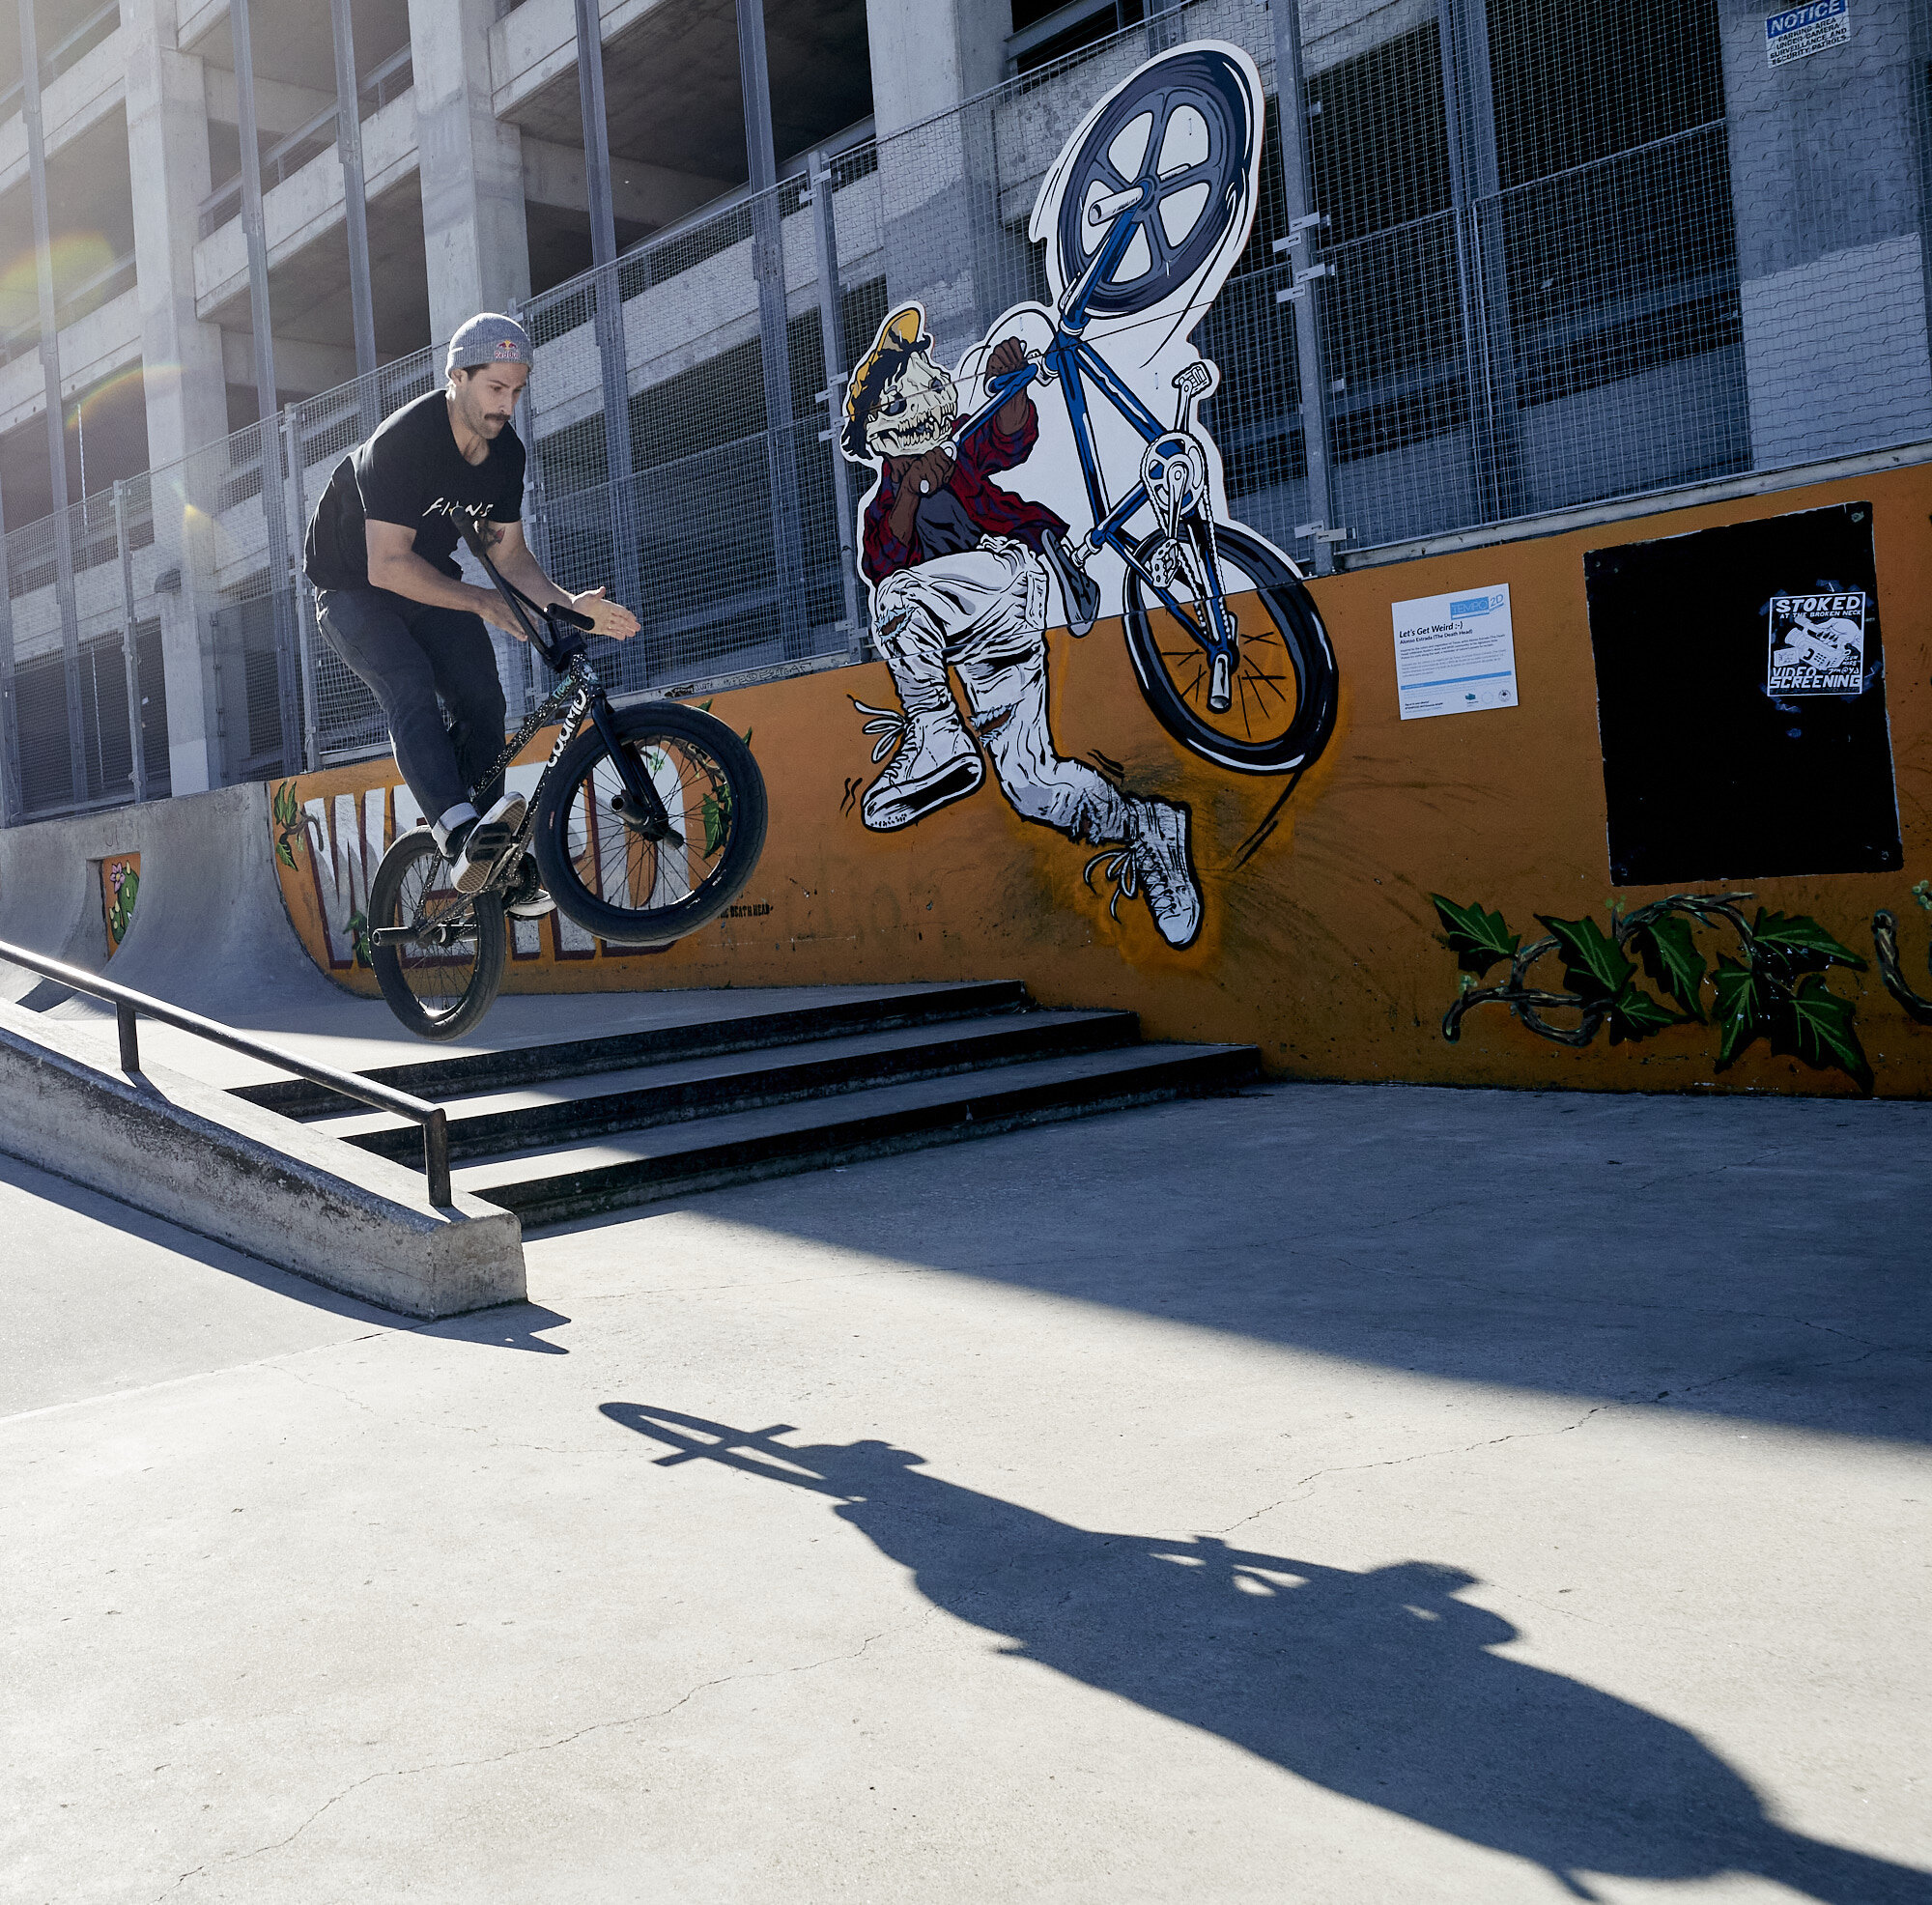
601, 866
1282, 693
442, 979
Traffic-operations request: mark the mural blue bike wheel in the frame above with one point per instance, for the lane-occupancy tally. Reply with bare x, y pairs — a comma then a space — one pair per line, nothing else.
1184, 128
1282, 704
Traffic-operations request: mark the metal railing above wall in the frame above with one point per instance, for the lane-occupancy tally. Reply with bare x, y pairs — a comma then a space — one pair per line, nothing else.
1459, 314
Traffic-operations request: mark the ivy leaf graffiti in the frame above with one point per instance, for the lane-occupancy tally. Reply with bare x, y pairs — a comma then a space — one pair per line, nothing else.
1776, 988
1824, 1027
289, 834
359, 937
1477, 938
1593, 963
1740, 1007
1803, 941
1672, 959
716, 810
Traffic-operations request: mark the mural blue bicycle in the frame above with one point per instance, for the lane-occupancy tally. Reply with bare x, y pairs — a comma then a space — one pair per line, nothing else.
1225, 640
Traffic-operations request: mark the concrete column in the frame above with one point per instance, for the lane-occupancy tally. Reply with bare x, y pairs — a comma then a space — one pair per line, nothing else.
475, 240
937, 186
182, 373
1826, 192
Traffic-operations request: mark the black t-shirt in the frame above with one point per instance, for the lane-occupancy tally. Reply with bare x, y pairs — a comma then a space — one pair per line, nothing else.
411, 472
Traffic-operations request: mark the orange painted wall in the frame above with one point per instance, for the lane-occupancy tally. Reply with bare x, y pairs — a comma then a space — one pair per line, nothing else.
1321, 950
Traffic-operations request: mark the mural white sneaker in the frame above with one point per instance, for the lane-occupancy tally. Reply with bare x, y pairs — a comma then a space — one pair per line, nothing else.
1156, 864
936, 762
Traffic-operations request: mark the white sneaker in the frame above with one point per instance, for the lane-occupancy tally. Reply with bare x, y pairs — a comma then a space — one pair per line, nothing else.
936, 762
1155, 864
484, 842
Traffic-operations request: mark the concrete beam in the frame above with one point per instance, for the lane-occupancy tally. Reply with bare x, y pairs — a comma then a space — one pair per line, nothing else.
300, 209
83, 96
300, 365
226, 1168
279, 107
650, 195
531, 46
106, 340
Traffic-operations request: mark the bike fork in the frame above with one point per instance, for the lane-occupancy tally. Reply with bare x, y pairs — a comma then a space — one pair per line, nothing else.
640, 797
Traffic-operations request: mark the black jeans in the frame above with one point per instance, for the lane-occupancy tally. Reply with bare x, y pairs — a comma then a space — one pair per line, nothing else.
409, 653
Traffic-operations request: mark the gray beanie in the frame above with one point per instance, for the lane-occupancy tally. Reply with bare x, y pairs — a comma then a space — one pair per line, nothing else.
488, 338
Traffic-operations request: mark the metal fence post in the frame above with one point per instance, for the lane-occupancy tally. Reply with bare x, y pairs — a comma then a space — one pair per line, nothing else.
832, 329
130, 647
1304, 232
607, 292
768, 270
10, 708
304, 602
1475, 184
355, 198
43, 278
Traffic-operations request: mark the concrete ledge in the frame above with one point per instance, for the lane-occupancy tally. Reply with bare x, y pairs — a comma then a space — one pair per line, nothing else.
214, 1164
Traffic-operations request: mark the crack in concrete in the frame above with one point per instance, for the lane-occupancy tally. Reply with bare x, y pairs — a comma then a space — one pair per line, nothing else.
1402, 1460
524, 1753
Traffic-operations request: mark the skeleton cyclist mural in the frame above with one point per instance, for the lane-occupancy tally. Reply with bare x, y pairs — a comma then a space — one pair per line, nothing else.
1143, 215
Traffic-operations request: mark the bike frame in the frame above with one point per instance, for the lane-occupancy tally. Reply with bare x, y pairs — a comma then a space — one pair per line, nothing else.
557, 633
557, 636
1071, 362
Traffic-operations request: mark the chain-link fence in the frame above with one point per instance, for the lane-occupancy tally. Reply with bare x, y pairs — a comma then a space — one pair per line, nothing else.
1526, 260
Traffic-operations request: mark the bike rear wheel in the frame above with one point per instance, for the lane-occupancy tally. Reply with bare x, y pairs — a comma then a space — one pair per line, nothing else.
439, 986
1282, 707
600, 867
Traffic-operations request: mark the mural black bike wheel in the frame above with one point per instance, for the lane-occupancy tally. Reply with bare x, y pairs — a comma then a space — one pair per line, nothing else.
439, 990
1182, 126
1282, 707
600, 867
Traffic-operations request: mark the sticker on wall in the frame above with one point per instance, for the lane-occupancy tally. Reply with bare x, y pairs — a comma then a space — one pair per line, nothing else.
1455, 653
1040, 481
1799, 32
120, 888
1817, 644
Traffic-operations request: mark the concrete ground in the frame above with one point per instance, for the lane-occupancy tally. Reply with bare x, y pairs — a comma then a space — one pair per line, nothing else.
1321, 1494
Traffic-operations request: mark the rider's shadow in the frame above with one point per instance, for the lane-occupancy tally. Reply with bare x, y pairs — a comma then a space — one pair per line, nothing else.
1381, 1685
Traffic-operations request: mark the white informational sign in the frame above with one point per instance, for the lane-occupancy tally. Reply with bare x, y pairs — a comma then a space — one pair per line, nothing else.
1799, 32
1456, 653
1817, 644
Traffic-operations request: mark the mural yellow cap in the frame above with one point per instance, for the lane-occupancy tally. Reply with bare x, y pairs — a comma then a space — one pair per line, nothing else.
898, 334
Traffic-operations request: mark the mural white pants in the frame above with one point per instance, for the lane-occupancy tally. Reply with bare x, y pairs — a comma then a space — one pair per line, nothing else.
983, 612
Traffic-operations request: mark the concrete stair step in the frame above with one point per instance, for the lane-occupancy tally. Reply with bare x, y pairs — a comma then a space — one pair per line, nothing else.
552, 1183
568, 1110
444, 1078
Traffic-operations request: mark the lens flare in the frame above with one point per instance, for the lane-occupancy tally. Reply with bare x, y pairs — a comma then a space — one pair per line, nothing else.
75, 257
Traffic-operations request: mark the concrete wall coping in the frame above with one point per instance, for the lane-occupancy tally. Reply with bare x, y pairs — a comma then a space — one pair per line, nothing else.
215, 1164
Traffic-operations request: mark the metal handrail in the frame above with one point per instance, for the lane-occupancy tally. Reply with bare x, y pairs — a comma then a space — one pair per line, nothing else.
128, 1005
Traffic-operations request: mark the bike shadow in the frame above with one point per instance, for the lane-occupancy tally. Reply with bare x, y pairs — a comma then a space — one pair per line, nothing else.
1381, 1684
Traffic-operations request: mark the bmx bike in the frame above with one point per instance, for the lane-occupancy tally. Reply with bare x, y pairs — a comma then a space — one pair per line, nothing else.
1226, 644
646, 822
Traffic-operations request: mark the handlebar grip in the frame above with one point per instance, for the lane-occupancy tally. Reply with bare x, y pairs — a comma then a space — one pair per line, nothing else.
569, 617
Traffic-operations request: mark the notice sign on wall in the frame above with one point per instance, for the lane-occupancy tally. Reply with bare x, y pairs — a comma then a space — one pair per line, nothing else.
1817, 644
1801, 31
1455, 654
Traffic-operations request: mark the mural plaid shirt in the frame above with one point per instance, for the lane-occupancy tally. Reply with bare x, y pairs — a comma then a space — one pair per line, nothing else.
992, 510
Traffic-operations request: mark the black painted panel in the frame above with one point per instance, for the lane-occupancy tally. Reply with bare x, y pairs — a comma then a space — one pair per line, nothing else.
1708, 778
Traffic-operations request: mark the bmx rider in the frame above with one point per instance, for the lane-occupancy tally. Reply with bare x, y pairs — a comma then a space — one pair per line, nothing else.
392, 603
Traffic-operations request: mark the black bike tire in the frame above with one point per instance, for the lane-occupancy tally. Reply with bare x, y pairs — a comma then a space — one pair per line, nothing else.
625, 926
1208, 72
1310, 651
492, 948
